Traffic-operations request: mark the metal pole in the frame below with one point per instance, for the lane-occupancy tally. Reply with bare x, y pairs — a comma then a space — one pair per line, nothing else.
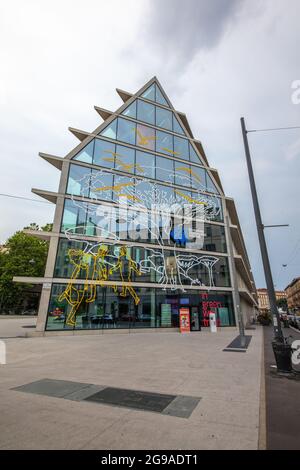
262, 242
236, 288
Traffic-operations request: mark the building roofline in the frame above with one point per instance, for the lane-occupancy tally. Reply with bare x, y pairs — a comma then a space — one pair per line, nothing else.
104, 113
292, 282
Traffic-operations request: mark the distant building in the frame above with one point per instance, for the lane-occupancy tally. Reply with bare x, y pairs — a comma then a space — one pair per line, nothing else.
293, 295
263, 299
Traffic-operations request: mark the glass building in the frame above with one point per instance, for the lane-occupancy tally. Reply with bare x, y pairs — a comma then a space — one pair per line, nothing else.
142, 228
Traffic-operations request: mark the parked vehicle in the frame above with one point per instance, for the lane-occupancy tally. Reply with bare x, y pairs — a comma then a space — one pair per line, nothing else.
290, 318
297, 322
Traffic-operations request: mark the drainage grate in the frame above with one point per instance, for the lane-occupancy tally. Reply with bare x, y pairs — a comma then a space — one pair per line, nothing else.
180, 406
132, 399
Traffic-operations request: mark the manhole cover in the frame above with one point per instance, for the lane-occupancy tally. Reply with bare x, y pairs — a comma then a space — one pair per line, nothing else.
133, 399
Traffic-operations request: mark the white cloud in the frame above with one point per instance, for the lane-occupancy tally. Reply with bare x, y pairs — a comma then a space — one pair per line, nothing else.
60, 58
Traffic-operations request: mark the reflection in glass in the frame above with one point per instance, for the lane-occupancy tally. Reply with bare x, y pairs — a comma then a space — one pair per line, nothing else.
163, 118
104, 154
145, 164
86, 154
145, 137
193, 156
101, 185
160, 98
164, 143
78, 181
176, 126
146, 112
130, 110
124, 159
165, 169
110, 131
149, 94
126, 131
181, 147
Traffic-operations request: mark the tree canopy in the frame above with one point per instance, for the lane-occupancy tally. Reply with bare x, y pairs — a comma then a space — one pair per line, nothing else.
22, 255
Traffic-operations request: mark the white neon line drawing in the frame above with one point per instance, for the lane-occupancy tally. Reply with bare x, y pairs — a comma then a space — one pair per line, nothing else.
170, 269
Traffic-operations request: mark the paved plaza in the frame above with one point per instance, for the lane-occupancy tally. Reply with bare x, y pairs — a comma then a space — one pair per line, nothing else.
227, 386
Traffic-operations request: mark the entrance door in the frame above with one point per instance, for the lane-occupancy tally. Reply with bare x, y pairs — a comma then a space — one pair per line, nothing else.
195, 323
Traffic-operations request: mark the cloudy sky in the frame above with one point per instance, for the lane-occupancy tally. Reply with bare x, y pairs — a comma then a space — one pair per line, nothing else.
217, 60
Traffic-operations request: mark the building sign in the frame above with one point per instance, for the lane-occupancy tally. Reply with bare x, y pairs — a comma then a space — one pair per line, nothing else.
184, 318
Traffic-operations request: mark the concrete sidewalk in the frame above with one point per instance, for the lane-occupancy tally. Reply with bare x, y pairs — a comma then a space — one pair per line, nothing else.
227, 416
13, 326
282, 401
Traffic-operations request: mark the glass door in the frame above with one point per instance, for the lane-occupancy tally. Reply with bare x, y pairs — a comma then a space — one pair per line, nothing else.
195, 320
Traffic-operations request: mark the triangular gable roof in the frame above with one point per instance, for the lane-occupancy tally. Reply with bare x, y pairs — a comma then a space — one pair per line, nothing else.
128, 99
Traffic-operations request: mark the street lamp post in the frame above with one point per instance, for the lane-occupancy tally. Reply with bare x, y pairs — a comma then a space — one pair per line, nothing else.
282, 350
278, 335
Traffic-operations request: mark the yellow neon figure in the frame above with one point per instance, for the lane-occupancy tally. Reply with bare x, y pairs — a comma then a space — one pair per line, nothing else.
121, 267
190, 199
171, 151
74, 295
130, 196
116, 188
143, 139
113, 153
191, 172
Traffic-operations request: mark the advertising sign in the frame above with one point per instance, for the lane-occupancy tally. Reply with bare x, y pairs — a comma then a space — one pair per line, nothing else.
184, 317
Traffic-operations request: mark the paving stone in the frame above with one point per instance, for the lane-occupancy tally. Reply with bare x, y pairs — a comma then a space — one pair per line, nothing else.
52, 388
182, 406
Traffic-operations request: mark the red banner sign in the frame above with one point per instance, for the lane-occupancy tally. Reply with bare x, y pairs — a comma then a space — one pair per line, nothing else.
184, 318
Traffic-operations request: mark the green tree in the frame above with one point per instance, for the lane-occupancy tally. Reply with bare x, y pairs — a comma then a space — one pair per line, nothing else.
282, 303
23, 255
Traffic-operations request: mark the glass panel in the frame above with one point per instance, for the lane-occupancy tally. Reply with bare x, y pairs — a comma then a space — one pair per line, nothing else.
110, 131
146, 309
74, 217
221, 303
198, 178
164, 143
104, 154
126, 131
145, 164
159, 97
145, 192
130, 110
210, 187
183, 174
214, 238
164, 194
182, 196
145, 137
213, 206
165, 169
123, 186
176, 126
101, 185
181, 148
125, 159
149, 94
146, 112
163, 118
193, 156
79, 180
86, 154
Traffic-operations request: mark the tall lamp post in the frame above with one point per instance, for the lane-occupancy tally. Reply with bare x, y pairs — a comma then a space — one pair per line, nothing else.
281, 349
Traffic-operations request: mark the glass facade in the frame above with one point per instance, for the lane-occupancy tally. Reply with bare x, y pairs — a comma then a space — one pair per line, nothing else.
142, 228
156, 309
